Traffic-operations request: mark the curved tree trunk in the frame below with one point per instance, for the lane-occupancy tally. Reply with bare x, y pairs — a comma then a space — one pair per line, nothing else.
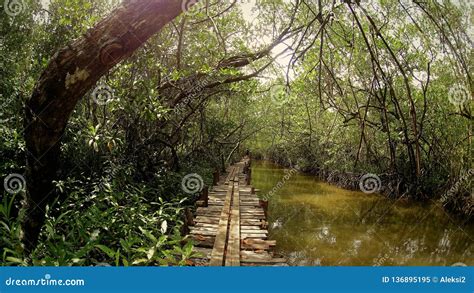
71, 73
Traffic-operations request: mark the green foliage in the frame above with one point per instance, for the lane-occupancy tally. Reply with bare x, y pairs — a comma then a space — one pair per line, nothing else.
102, 227
177, 109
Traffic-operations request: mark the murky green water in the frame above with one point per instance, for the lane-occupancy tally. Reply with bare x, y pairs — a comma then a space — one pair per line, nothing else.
315, 223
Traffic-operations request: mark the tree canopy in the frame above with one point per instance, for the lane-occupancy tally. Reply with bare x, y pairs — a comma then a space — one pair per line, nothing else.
123, 98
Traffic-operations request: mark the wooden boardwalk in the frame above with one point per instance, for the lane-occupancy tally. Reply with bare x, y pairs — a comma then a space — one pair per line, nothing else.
231, 228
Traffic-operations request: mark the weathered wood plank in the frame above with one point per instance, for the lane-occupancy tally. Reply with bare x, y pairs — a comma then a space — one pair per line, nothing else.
217, 257
232, 229
260, 264
263, 261
203, 241
247, 227
230, 176
207, 219
208, 225
253, 235
262, 255
233, 247
254, 231
209, 208
203, 233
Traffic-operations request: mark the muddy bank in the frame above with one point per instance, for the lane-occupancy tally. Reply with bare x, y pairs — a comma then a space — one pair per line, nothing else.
387, 184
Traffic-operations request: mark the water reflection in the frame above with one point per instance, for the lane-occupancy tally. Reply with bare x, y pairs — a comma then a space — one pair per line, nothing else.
318, 224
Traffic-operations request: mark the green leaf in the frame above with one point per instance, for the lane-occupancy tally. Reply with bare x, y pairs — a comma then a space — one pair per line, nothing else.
107, 250
150, 253
139, 261
164, 227
14, 260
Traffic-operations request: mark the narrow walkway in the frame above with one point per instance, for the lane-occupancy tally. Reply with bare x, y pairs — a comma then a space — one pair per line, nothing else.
231, 229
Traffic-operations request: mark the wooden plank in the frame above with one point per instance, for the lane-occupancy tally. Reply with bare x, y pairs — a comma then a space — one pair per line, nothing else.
209, 208
259, 264
218, 251
256, 231
263, 255
252, 222
258, 241
233, 247
207, 225
263, 261
252, 212
255, 246
253, 235
203, 241
251, 209
196, 230
236, 173
247, 227
203, 233
206, 212
230, 176
232, 229
207, 219
217, 195
255, 216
